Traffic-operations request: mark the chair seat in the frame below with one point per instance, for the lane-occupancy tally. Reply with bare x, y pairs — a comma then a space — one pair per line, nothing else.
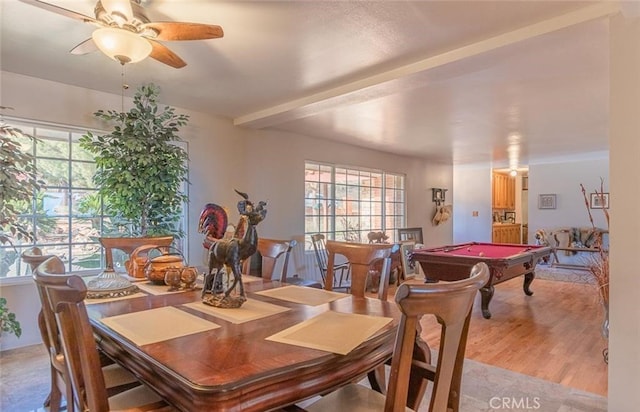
115, 375
133, 398
352, 398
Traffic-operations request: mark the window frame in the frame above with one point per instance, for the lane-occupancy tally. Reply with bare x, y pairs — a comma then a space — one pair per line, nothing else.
340, 190
70, 218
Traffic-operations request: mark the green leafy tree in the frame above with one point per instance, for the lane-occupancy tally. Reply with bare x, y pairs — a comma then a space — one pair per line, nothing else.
8, 321
18, 182
139, 168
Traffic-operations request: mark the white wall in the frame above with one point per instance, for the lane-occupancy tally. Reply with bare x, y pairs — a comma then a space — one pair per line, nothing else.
269, 165
274, 162
420, 206
275, 166
624, 310
563, 179
472, 194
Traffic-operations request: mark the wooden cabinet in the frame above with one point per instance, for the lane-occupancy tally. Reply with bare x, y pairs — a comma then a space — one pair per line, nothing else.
504, 191
506, 233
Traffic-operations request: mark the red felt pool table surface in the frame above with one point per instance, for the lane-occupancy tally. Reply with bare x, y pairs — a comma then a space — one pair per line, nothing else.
505, 261
487, 250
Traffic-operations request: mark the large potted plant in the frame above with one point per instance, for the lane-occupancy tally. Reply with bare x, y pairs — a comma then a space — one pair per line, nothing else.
140, 169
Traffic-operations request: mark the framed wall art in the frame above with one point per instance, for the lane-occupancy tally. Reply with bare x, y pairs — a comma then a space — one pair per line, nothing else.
409, 267
547, 201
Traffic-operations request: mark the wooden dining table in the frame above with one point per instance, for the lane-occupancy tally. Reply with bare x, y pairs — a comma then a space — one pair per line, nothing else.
234, 366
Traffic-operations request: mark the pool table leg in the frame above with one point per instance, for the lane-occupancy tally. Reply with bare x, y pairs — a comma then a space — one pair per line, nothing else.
486, 293
528, 278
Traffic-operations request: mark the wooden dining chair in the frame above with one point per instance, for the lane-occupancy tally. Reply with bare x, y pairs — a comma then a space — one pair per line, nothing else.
451, 304
117, 378
74, 351
318, 241
33, 257
128, 245
361, 257
273, 250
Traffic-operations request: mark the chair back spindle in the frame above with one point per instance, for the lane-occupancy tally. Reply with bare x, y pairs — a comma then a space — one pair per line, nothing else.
360, 257
322, 257
271, 251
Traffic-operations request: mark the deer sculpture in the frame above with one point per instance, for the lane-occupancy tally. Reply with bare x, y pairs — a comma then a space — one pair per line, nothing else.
230, 253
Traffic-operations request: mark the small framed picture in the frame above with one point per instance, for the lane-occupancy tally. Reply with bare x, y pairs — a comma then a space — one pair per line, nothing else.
408, 266
547, 201
510, 217
599, 201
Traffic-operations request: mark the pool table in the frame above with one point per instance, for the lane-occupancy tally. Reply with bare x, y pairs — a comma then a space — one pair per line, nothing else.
505, 261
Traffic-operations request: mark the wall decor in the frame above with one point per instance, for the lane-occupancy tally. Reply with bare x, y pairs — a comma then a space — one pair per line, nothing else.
410, 233
409, 267
547, 201
599, 201
438, 195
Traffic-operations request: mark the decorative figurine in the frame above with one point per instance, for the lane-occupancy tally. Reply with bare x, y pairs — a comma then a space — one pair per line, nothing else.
188, 277
172, 279
229, 253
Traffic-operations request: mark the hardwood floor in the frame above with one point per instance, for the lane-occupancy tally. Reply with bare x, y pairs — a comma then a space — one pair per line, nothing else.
553, 335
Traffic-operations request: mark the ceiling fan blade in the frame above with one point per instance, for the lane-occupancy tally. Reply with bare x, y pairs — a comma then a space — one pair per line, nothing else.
167, 30
162, 54
85, 47
62, 11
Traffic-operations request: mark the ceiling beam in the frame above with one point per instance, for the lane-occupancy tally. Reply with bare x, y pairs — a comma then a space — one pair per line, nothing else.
386, 82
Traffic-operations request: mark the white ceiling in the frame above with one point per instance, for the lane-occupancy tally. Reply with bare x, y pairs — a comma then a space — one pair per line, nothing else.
452, 81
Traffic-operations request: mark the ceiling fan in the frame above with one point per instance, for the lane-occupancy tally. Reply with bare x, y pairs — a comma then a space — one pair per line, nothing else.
126, 34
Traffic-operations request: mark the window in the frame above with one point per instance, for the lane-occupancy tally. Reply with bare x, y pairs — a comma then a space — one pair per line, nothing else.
67, 212
347, 203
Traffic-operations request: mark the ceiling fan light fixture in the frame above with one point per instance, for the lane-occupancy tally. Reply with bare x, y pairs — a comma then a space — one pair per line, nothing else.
121, 45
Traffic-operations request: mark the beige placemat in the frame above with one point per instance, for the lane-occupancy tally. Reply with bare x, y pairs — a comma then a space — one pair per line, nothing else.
250, 310
304, 295
102, 300
155, 289
156, 325
332, 331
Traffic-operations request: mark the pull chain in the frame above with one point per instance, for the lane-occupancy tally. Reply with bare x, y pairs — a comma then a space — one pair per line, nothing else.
125, 86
